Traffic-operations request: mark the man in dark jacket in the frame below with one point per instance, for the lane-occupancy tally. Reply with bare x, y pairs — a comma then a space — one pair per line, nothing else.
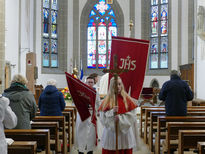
51, 102
175, 93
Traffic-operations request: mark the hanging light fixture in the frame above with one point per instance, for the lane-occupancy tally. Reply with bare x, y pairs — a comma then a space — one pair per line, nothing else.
109, 1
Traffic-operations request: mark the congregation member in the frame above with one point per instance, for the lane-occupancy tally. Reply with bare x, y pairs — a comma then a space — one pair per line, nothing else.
8, 120
85, 134
124, 113
175, 93
22, 101
51, 101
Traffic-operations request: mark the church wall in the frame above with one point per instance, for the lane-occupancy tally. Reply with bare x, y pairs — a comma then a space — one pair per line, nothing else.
184, 32
11, 34
200, 60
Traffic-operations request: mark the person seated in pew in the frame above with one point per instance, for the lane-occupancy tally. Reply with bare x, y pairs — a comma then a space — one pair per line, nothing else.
22, 101
51, 101
8, 120
175, 93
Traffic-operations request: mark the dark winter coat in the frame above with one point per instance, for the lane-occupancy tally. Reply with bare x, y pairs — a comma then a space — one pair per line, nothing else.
175, 93
23, 104
51, 102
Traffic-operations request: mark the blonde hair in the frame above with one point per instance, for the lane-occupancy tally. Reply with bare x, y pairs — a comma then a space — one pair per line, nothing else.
110, 98
20, 79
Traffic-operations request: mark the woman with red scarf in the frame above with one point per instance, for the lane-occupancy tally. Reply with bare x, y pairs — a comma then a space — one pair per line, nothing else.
125, 114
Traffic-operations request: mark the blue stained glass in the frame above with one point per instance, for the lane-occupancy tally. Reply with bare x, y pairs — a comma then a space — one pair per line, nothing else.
164, 1
164, 44
112, 22
46, 15
54, 4
164, 12
97, 18
92, 13
45, 60
91, 23
45, 45
91, 33
111, 13
46, 3
107, 18
154, 13
102, 47
154, 28
163, 28
54, 17
45, 30
54, 46
54, 60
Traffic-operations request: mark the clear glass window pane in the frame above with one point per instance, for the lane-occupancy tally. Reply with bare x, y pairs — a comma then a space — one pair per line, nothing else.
46, 3
54, 4
46, 60
154, 2
164, 60
54, 60
153, 61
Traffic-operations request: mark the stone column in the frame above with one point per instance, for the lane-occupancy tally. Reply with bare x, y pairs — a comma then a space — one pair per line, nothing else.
2, 44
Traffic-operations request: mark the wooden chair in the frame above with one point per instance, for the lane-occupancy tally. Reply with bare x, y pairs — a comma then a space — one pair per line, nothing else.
201, 147
147, 96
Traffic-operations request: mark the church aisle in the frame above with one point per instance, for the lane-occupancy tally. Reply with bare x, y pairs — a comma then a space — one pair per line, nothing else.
144, 149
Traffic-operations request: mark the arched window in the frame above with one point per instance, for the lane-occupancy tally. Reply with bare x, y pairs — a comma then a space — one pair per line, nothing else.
50, 36
159, 35
100, 29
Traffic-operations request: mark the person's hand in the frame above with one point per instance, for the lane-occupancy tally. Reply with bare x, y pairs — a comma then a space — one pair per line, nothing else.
116, 118
115, 109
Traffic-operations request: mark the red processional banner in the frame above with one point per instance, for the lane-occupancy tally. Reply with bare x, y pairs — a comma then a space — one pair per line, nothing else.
83, 97
132, 55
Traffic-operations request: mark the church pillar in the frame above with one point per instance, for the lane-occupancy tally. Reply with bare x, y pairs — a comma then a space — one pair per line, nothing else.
2, 43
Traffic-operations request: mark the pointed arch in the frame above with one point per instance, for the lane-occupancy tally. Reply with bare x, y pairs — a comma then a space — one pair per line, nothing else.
84, 21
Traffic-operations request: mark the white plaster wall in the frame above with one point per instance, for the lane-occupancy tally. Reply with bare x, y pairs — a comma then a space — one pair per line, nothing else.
174, 34
160, 79
184, 32
137, 21
199, 61
70, 37
11, 34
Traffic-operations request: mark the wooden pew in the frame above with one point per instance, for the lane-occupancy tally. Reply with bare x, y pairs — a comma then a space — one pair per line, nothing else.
61, 121
173, 129
21, 147
42, 136
54, 131
161, 123
153, 122
189, 139
201, 147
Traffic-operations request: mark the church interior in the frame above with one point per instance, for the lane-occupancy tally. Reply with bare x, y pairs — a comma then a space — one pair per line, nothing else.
43, 39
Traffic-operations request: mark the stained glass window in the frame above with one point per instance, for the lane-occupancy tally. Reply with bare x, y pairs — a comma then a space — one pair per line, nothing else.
101, 27
158, 34
50, 34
